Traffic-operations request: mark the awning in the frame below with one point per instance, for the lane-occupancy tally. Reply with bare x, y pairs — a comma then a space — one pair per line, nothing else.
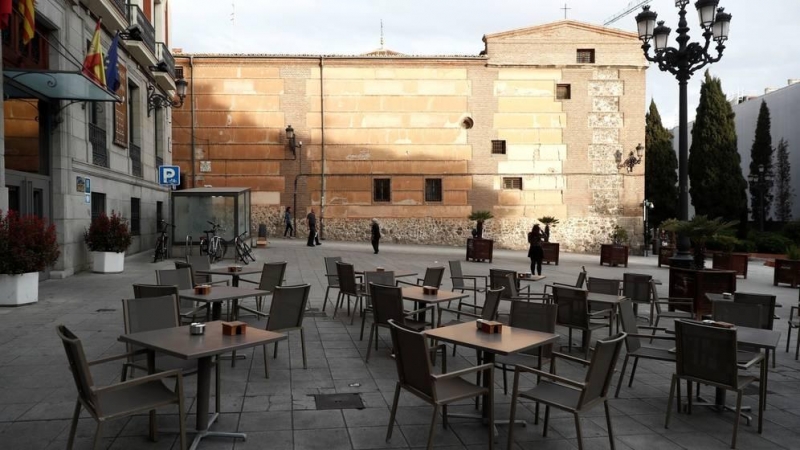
53, 85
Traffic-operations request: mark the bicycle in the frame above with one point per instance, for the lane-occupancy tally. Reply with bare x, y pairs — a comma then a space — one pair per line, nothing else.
212, 245
243, 251
162, 249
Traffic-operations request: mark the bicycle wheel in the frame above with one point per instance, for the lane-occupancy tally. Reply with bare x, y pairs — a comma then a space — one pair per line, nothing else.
222, 249
239, 252
248, 253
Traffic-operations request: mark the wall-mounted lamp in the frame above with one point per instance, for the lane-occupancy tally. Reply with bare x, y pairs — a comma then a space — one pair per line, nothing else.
158, 101
632, 159
294, 144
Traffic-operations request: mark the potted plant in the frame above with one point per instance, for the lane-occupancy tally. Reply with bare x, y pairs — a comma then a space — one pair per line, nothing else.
787, 270
551, 250
699, 230
28, 246
480, 217
615, 253
478, 248
108, 237
726, 259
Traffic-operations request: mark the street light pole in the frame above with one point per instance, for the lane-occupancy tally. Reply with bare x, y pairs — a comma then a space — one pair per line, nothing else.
682, 63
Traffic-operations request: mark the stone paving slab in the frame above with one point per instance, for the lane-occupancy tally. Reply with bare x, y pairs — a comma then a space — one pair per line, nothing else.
37, 393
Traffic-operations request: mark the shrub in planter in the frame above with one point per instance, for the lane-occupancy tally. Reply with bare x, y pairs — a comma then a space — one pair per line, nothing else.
480, 217
619, 235
699, 230
108, 234
27, 244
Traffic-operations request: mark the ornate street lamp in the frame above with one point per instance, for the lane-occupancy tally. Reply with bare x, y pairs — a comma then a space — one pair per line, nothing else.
294, 144
632, 160
682, 62
761, 181
158, 101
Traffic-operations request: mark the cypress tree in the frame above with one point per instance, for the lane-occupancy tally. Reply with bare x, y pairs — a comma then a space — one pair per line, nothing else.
761, 155
783, 183
716, 184
660, 168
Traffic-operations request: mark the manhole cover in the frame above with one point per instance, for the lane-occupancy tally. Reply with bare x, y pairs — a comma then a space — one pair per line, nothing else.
338, 401
106, 310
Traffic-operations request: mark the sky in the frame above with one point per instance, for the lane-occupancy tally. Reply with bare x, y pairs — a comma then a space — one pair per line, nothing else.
762, 51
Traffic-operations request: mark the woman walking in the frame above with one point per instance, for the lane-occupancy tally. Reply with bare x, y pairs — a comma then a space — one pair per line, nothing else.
287, 219
375, 230
535, 251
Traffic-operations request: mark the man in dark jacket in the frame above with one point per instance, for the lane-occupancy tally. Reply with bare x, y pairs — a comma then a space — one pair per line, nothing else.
311, 218
376, 235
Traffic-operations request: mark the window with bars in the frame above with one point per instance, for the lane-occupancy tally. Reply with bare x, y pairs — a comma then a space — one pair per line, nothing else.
563, 92
498, 147
98, 204
585, 56
512, 183
135, 216
382, 190
433, 189
178, 72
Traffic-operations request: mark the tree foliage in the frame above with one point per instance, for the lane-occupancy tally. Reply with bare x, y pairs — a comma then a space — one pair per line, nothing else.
784, 194
717, 186
660, 168
761, 155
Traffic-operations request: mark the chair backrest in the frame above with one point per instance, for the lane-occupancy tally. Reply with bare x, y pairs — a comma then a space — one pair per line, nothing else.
655, 297
636, 286
195, 279
741, 314
386, 278
705, 352
601, 369
629, 326
537, 317
496, 277
176, 277
272, 275
330, 270
155, 290
581, 278
199, 262
608, 286
491, 304
150, 313
387, 304
412, 359
433, 276
455, 274
572, 307
288, 307
78, 366
506, 285
767, 303
347, 278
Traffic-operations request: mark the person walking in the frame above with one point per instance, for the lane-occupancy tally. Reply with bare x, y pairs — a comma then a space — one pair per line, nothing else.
311, 219
375, 230
535, 251
287, 219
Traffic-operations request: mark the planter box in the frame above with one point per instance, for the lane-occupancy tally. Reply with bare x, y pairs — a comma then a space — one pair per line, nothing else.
614, 255
551, 251
732, 261
664, 254
787, 271
108, 262
480, 249
18, 290
695, 284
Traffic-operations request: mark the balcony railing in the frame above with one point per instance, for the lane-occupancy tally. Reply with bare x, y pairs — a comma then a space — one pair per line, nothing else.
97, 137
136, 159
121, 6
166, 62
147, 32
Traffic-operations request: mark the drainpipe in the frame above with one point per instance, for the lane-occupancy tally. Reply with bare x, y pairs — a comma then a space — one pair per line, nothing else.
191, 84
322, 128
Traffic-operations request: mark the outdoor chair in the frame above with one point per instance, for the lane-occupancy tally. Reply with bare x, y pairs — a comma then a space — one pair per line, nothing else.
708, 355
767, 303
157, 313
189, 309
794, 322
415, 375
433, 277
182, 278
387, 304
286, 314
121, 399
607, 286
636, 287
576, 397
272, 276
578, 283
201, 262
573, 313
385, 278
741, 314
488, 311
633, 344
510, 291
682, 307
348, 287
331, 275
496, 277
463, 283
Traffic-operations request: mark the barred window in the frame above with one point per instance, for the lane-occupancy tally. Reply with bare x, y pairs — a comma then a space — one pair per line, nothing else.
512, 183
498, 147
585, 56
135, 214
433, 190
178, 72
563, 92
382, 190
98, 204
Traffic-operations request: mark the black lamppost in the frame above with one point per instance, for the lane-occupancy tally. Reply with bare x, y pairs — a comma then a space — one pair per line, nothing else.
682, 62
762, 181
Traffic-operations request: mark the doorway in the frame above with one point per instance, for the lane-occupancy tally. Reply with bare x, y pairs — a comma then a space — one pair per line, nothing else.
29, 194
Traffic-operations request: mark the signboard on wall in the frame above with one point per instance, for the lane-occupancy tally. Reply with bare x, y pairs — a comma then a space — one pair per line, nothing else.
121, 110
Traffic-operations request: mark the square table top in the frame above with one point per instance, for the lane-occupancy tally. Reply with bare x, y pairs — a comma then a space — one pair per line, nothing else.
414, 293
221, 294
180, 343
605, 298
510, 340
757, 337
225, 271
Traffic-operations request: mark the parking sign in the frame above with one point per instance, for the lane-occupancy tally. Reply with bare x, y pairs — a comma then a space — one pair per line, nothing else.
169, 175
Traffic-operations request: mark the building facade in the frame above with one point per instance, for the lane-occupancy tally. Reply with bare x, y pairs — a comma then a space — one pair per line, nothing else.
73, 149
528, 128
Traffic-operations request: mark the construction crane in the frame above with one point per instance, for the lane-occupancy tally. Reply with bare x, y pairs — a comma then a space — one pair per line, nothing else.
632, 6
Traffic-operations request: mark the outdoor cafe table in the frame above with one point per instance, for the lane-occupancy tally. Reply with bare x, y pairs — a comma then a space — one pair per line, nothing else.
719, 297
178, 342
511, 340
223, 271
221, 294
415, 294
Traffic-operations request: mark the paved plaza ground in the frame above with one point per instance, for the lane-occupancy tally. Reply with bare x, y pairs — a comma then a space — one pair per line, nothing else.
37, 394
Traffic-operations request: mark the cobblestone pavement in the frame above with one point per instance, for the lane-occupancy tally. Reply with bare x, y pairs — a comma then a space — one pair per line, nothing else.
37, 394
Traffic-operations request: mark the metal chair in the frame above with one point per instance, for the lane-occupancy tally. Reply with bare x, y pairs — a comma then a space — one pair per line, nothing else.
496, 277
188, 309
573, 313
708, 355
576, 397
671, 303
286, 314
415, 375
510, 292
433, 277
182, 279
348, 287
636, 287
121, 399
767, 303
741, 314
488, 311
200, 262
385, 278
387, 304
460, 283
331, 275
633, 344
607, 286
272, 276
578, 283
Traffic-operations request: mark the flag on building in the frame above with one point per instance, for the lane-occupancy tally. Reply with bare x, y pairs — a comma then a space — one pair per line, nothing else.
5, 13
28, 20
93, 65
112, 69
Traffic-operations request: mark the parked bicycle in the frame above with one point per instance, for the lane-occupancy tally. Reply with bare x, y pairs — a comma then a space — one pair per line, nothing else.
243, 251
162, 249
212, 244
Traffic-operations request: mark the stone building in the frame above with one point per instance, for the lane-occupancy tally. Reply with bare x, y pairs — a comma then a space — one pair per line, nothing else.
73, 149
527, 128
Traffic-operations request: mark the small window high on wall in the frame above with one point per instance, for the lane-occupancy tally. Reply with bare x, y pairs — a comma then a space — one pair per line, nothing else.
563, 92
498, 147
512, 183
585, 56
382, 190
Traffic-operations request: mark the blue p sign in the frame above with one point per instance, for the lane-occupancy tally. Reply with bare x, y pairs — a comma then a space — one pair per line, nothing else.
169, 175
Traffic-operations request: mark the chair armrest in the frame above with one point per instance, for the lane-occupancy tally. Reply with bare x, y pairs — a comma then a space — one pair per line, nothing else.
116, 357
254, 311
397, 283
571, 383
758, 357
600, 312
792, 310
141, 380
572, 358
462, 372
455, 311
485, 277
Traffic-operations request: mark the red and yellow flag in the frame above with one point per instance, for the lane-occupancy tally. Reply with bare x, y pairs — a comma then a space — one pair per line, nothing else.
28, 21
94, 64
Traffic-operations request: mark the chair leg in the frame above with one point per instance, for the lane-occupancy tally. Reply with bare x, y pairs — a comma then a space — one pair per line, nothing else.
737, 418
325, 301
369, 342
217, 386
622, 374
266, 365
578, 431
546, 420
433, 426
394, 411
303, 347
182, 412
363, 322
587, 340
444, 417
98, 435
669, 400
788, 338
570, 341
359, 306
275, 351
491, 412
74, 426
633, 371
774, 357
608, 423
505, 380
338, 302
